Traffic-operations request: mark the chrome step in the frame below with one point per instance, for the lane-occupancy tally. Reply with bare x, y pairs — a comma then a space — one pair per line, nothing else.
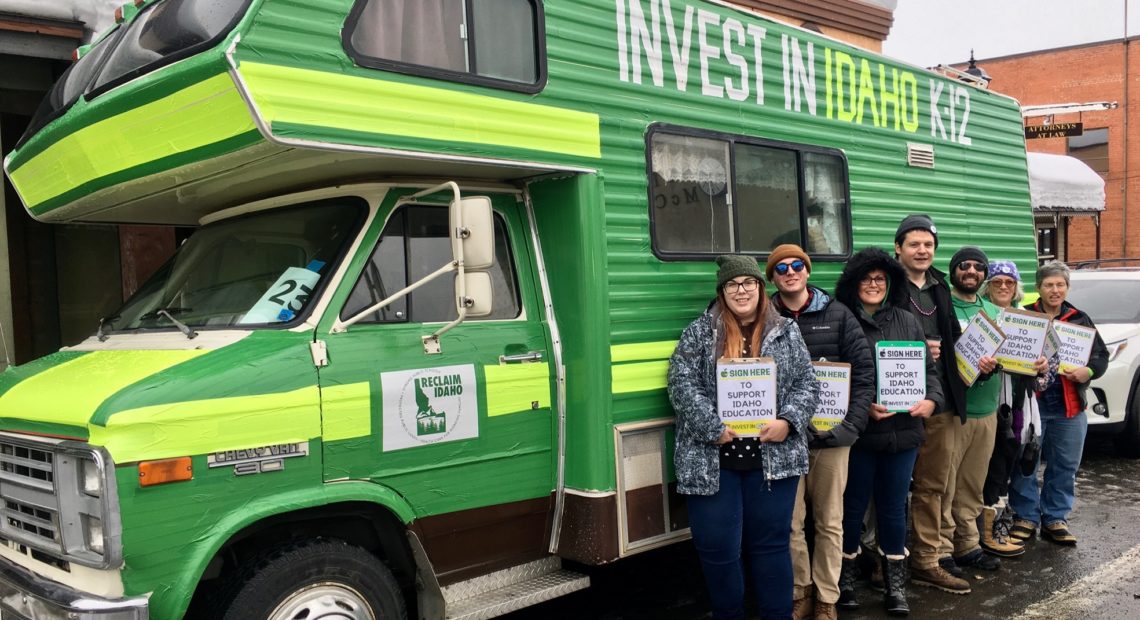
511, 589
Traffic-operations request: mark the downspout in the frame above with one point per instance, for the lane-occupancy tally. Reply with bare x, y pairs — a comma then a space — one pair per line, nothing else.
1124, 209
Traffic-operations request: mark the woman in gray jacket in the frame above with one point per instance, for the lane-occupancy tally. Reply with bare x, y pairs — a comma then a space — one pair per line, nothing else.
741, 490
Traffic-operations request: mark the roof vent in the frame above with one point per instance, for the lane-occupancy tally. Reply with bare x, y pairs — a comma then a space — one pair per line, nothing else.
920, 155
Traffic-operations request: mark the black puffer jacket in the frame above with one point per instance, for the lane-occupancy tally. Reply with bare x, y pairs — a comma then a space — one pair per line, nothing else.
892, 322
832, 334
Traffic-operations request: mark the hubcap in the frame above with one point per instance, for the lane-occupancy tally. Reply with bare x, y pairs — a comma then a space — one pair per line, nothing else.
324, 601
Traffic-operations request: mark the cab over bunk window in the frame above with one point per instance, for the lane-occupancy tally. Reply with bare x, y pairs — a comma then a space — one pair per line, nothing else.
490, 42
415, 243
714, 194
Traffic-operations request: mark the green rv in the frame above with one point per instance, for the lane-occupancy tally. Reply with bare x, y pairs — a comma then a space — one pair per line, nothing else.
414, 357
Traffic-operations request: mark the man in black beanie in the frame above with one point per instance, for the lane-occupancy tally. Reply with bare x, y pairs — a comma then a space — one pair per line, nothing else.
929, 299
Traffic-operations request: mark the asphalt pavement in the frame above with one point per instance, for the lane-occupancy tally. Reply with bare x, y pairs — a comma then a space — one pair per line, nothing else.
1099, 579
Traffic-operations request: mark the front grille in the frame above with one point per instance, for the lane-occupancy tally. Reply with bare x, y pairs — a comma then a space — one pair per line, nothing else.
27, 465
29, 505
32, 520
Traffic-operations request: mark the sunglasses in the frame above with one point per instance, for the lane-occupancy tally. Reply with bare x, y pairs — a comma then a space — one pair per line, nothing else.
967, 265
796, 266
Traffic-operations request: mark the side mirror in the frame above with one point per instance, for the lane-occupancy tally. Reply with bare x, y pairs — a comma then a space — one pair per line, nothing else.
479, 296
479, 243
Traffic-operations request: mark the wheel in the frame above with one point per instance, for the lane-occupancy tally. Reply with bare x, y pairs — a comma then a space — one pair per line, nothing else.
1128, 440
316, 579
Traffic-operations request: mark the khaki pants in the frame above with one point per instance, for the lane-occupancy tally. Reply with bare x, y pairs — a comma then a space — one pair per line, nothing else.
973, 446
823, 487
931, 479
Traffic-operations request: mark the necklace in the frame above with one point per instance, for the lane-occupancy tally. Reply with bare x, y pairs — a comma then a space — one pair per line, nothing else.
921, 310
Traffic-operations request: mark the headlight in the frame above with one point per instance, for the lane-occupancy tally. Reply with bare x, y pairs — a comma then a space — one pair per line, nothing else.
92, 477
94, 534
1116, 348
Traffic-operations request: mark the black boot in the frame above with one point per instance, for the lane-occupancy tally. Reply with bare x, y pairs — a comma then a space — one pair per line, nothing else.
847, 574
894, 592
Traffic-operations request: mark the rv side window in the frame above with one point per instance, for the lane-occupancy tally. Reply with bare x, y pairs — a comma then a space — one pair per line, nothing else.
414, 243
490, 42
713, 193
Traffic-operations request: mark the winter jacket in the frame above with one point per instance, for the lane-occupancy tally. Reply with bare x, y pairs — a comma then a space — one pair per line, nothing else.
892, 323
950, 330
832, 334
1076, 399
692, 391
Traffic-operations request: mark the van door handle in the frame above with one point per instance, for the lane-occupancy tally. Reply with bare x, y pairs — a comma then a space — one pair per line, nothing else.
530, 356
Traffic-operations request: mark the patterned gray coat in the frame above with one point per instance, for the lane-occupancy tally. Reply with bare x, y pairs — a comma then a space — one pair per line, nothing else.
692, 390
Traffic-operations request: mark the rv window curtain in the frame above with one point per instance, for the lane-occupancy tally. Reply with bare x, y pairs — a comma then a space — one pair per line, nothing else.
418, 32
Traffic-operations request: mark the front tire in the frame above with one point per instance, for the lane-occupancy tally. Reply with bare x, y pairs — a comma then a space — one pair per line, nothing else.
1128, 440
316, 579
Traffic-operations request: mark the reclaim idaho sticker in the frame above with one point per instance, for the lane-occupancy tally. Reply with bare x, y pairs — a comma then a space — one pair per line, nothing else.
429, 405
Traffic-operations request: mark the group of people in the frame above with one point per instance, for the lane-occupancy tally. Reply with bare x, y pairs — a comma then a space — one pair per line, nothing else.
960, 456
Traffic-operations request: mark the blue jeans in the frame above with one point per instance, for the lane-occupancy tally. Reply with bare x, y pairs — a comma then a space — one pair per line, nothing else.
746, 509
886, 477
1062, 444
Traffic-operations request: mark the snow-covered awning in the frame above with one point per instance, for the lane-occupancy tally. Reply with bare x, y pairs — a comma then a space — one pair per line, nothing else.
1059, 183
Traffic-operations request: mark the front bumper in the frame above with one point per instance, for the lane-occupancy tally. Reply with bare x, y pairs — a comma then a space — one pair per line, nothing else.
23, 595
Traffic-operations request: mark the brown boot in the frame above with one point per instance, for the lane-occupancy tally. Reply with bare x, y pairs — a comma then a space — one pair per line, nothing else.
825, 611
937, 577
803, 605
994, 539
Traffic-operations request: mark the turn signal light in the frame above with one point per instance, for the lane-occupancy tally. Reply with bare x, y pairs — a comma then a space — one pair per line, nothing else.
164, 471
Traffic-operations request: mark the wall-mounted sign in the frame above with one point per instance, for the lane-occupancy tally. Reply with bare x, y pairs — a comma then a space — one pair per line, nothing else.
1056, 130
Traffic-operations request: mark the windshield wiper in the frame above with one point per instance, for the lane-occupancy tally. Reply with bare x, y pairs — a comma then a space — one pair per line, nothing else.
184, 328
169, 310
108, 320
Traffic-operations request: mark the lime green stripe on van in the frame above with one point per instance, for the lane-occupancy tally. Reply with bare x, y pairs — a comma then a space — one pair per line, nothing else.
640, 376
346, 411
333, 100
512, 388
206, 113
211, 425
642, 351
70, 392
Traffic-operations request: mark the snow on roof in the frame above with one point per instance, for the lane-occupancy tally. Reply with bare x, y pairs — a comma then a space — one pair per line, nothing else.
1063, 183
95, 15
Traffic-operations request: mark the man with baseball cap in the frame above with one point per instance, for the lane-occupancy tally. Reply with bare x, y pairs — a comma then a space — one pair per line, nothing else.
832, 334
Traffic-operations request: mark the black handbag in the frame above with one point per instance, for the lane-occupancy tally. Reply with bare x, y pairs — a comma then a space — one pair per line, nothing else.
1032, 451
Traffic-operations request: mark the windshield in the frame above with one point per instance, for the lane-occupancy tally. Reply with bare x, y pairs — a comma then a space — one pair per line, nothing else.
1107, 301
261, 269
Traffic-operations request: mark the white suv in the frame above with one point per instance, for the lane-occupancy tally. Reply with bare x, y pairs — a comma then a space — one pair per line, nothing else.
1111, 296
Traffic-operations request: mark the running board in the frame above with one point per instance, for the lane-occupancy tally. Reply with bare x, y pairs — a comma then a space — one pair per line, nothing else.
511, 589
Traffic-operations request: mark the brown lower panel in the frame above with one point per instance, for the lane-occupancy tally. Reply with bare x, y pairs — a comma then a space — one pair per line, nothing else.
645, 511
589, 529
469, 543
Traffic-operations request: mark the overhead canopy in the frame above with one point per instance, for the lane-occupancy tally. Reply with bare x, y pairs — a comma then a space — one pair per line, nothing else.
1059, 183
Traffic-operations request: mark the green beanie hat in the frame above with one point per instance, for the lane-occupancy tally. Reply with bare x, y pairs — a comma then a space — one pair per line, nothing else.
734, 265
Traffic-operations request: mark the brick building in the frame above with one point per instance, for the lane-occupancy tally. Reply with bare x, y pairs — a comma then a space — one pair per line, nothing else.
1110, 144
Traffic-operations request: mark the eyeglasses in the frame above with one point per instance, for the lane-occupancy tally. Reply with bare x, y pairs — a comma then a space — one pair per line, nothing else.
749, 285
874, 281
967, 265
796, 266
1003, 283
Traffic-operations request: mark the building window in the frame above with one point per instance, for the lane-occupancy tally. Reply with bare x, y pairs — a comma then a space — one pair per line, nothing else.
1047, 242
491, 42
414, 243
714, 193
1091, 148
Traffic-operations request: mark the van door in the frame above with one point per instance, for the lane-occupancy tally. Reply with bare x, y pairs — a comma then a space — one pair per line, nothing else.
466, 435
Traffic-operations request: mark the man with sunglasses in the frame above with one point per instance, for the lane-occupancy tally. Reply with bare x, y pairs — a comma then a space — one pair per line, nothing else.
974, 440
833, 334
928, 298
